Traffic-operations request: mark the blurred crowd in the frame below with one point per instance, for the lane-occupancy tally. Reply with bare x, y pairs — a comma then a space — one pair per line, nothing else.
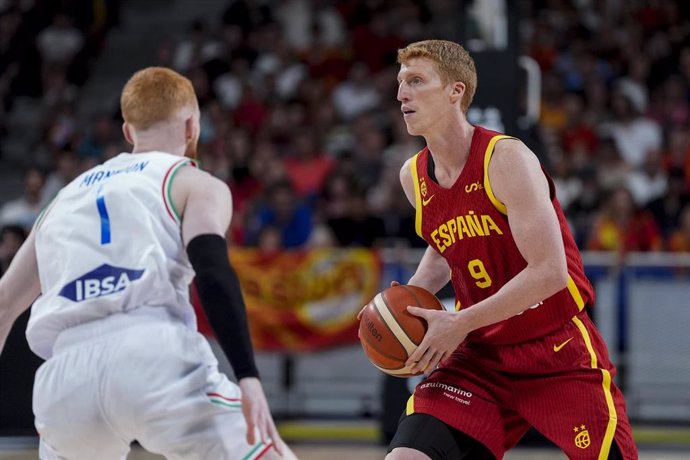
299, 114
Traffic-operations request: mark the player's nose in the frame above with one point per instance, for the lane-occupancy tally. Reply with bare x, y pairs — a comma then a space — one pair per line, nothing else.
403, 93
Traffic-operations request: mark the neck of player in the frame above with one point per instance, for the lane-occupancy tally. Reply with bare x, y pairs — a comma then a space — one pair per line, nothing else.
450, 147
159, 144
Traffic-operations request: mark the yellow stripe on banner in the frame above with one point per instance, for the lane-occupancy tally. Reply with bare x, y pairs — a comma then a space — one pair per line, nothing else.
606, 385
575, 292
417, 196
409, 409
487, 183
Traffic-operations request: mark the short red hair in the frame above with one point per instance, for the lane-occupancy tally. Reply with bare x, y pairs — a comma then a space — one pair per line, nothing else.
453, 63
155, 94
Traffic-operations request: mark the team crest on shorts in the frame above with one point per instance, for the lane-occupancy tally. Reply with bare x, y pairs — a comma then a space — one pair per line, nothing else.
582, 437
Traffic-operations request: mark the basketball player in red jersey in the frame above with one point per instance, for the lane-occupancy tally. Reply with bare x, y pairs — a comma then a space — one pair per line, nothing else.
520, 350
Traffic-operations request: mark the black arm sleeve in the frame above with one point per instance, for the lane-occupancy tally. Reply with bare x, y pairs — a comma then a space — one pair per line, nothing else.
221, 297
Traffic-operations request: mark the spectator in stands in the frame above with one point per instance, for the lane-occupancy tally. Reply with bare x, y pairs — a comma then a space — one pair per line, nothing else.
369, 157
307, 166
611, 170
670, 107
284, 211
552, 112
356, 94
633, 134
668, 207
103, 133
24, 210
578, 138
620, 226
301, 20
677, 155
568, 183
60, 42
65, 169
11, 239
197, 48
679, 240
650, 182
358, 227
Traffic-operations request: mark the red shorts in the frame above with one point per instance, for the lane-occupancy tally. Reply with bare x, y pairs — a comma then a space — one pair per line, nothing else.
560, 383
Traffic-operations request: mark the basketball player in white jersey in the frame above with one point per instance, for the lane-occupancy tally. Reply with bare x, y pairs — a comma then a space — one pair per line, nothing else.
108, 264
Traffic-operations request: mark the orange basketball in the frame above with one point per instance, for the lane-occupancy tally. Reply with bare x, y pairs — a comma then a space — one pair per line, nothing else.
389, 333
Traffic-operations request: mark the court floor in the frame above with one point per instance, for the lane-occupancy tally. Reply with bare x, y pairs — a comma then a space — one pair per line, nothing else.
350, 452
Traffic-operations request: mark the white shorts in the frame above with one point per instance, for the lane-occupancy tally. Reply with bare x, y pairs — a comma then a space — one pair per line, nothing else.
140, 376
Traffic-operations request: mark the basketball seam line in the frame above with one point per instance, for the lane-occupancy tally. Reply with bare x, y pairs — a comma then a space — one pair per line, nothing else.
397, 331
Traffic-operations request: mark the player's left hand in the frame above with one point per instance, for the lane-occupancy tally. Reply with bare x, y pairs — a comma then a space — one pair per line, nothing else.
443, 336
258, 416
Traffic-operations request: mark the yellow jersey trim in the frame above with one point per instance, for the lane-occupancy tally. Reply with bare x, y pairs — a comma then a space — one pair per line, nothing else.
575, 292
417, 196
606, 386
409, 409
487, 183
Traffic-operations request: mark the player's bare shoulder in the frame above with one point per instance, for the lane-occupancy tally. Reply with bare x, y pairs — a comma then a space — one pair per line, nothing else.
193, 184
510, 153
515, 173
406, 180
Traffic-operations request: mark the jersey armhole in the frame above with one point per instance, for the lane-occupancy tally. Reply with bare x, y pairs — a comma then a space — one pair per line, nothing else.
166, 188
417, 195
44, 213
487, 183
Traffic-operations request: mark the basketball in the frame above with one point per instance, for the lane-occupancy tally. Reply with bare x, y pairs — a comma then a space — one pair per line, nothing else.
389, 333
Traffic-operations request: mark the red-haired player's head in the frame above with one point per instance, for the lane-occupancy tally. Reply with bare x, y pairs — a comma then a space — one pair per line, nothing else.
437, 81
161, 112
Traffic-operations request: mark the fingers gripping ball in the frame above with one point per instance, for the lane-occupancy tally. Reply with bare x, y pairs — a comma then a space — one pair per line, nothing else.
388, 333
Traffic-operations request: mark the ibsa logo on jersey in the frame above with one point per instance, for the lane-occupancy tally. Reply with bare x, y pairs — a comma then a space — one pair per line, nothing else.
99, 282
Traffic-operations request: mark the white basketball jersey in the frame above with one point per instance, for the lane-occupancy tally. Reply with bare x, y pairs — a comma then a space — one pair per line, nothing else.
110, 242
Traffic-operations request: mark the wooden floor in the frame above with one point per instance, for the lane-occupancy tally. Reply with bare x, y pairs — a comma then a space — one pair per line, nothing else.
351, 452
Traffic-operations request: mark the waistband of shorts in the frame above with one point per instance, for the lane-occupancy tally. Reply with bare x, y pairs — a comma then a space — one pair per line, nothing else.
112, 324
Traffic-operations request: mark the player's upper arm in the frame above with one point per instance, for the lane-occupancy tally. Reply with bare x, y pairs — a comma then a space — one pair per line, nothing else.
203, 201
406, 181
518, 181
20, 285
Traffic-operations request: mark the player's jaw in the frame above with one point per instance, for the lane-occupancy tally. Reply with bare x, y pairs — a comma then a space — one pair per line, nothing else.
411, 117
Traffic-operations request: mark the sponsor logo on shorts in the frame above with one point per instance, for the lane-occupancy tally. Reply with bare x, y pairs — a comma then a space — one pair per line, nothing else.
451, 392
100, 282
582, 439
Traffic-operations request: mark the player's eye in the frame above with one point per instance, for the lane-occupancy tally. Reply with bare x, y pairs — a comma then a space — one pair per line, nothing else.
415, 81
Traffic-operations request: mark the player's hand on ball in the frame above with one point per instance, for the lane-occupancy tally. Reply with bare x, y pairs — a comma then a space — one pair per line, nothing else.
444, 335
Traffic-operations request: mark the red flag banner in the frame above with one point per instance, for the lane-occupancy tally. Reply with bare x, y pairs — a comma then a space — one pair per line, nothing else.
306, 300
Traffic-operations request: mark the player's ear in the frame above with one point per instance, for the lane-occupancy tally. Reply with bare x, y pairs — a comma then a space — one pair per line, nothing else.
190, 128
457, 90
126, 131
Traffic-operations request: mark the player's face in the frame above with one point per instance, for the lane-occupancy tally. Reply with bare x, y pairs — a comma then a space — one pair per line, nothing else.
423, 95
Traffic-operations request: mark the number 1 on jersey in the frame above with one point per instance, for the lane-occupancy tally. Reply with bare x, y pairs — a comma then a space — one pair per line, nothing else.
105, 219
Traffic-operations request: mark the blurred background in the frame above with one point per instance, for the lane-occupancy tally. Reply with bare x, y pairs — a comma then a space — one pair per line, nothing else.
299, 118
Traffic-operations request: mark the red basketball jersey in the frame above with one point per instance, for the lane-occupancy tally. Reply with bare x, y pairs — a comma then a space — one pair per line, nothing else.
468, 226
